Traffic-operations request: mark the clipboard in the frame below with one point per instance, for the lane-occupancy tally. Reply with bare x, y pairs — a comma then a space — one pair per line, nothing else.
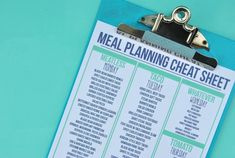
221, 47
122, 11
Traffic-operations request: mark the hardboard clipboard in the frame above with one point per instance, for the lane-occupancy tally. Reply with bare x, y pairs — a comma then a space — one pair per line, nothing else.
122, 11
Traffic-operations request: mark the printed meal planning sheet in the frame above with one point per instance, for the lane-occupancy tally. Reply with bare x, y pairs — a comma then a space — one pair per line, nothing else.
133, 100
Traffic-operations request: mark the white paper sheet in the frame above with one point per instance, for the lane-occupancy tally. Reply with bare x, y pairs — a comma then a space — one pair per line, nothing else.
132, 100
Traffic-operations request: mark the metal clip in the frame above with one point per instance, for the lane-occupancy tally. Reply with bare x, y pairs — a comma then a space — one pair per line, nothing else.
176, 28
174, 33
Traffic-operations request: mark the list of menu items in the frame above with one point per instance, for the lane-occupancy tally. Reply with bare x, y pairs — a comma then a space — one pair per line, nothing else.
131, 100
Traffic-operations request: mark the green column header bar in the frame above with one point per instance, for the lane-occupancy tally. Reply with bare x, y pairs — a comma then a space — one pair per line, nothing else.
115, 55
184, 139
203, 88
156, 70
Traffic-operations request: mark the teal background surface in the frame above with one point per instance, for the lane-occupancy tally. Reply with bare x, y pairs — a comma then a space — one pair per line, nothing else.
41, 47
